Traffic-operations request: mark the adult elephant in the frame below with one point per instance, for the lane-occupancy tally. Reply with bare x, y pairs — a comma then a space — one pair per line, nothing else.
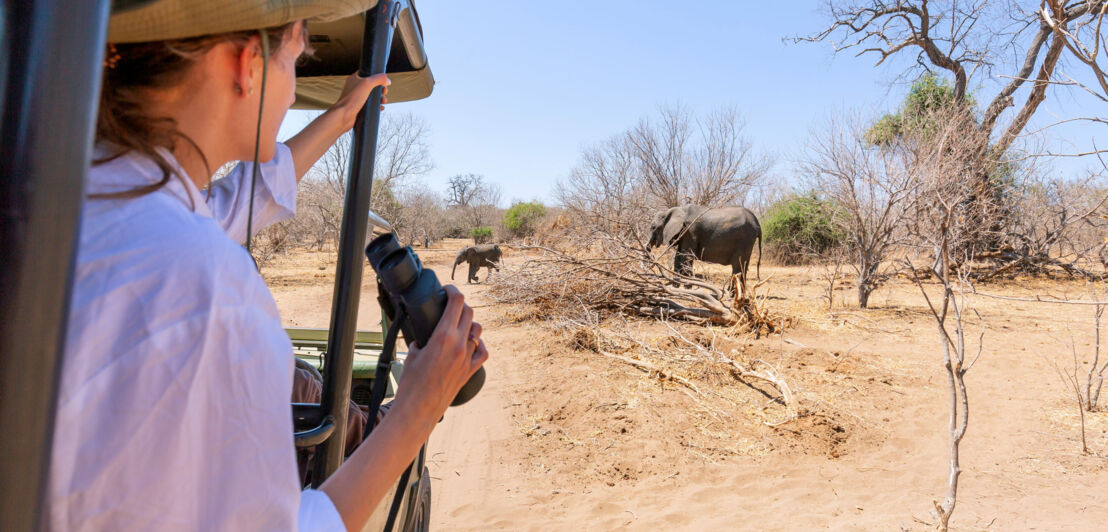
484, 255
723, 235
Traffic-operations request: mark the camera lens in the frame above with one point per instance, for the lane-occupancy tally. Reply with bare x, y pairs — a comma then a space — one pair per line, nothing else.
398, 270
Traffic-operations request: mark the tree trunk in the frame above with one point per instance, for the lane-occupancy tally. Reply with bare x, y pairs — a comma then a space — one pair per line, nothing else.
864, 291
866, 271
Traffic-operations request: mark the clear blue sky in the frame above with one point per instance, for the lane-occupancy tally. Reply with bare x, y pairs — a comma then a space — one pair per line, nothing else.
523, 86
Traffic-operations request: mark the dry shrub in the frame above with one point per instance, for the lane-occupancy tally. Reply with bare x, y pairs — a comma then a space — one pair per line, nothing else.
553, 230
754, 315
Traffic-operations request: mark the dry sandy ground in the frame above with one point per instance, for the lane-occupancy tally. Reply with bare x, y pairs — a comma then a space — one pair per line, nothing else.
562, 439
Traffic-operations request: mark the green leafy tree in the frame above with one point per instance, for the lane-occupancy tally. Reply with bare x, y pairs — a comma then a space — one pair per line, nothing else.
927, 96
522, 219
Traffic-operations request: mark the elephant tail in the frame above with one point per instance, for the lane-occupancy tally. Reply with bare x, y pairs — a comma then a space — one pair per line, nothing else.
759, 255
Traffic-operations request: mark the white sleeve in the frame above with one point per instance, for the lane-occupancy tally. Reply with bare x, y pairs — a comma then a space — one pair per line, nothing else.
274, 195
318, 514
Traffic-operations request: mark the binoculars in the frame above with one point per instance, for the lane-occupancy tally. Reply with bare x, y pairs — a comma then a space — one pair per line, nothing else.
403, 283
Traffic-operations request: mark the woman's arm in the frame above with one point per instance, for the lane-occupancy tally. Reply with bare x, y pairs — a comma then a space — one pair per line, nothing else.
432, 377
314, 140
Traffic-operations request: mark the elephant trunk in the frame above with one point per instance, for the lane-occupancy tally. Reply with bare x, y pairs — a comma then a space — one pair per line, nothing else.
457, 260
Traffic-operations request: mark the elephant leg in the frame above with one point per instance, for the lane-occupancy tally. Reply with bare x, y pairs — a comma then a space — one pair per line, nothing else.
682, 264
745, 262
473, 267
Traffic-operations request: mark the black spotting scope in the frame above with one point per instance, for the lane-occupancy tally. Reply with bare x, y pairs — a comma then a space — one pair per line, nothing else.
403, 283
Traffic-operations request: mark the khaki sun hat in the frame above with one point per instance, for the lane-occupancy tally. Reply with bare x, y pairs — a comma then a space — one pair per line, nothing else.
335, 32
161, 20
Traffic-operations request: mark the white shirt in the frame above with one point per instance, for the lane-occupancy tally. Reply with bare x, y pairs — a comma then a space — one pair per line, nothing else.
173, 411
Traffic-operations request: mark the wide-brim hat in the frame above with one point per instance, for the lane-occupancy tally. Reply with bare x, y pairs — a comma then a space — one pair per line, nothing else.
163, 20
335, 27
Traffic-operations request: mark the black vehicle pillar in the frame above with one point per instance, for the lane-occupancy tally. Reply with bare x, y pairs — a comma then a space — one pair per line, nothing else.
376, 42
51, 53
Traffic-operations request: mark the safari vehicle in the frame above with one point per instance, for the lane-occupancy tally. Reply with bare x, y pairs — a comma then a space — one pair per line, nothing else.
51, 52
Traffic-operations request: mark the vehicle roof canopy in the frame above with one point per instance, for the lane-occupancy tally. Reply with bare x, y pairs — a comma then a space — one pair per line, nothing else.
335, 32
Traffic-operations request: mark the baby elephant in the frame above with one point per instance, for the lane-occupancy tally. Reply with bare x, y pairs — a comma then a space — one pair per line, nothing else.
484, 255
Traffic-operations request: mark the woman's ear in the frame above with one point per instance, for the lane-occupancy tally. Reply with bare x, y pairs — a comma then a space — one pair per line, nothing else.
248, 67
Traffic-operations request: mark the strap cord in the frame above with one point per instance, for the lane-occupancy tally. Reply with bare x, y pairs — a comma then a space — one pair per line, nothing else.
380, 387
384, 368
257, 142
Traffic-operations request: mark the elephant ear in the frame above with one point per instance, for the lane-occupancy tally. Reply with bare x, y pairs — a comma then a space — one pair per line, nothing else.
676, 221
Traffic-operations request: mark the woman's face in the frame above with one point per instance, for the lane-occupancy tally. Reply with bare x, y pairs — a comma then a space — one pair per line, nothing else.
280, 88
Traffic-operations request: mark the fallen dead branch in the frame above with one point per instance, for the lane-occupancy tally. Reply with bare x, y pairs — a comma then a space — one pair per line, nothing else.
652, 369
591, 335
619, 277
771, 376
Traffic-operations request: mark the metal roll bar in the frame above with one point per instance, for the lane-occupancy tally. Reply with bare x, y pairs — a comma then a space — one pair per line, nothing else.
50, 67
380, 27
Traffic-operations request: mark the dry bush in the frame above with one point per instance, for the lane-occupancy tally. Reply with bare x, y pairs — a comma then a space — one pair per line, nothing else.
1057, 226
553, 230
270, 242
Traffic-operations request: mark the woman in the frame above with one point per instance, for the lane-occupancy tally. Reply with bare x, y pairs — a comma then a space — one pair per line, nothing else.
173, 412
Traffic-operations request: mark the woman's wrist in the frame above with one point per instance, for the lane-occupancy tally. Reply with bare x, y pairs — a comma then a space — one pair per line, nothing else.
416, 410
343, 117
337, 120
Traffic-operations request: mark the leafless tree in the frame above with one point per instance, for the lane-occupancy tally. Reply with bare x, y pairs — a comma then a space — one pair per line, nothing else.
1082, 36
1071, 381
421, 216
462, 189
604, 190
968, 39
403, 154
474, 199
942, 146
875, 186
1096, 369
706, 161
830, 265
674, 159
952, 313
403, 151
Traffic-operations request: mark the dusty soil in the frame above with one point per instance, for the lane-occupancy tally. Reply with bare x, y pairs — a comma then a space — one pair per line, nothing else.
562, 437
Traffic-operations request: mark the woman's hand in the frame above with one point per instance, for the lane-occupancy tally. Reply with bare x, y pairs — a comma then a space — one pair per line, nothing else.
434, 373
315, 139
354, 95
